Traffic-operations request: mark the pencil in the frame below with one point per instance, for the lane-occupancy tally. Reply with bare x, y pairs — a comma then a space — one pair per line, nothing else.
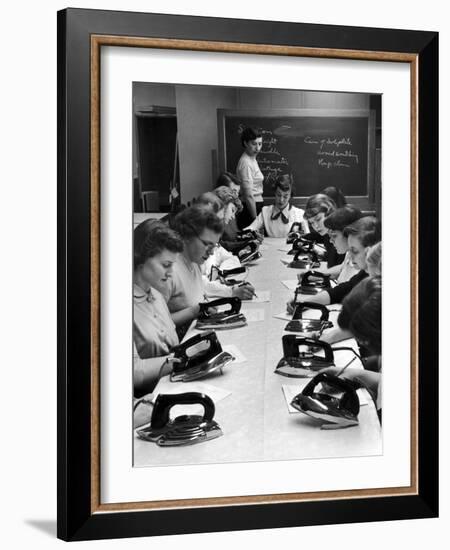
347, 365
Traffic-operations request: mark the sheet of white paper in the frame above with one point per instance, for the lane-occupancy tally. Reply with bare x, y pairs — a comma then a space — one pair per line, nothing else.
166, 386
286, 261
285, 248
239, 357
261, 296
291, 284
263, 247
283, 316
254, 315
291, 391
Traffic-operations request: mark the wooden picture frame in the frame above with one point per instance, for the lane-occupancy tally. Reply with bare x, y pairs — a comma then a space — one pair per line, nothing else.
81, 35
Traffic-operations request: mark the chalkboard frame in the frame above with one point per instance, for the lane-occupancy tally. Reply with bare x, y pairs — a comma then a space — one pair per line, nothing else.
369, 202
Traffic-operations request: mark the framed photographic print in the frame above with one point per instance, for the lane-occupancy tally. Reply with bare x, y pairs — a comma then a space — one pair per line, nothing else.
174, 417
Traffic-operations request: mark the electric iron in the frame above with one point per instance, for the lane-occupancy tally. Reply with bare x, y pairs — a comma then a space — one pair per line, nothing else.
310, 260
294, 232
301, 244
185, 429
191, 364
336, 405
249, 252
300, 356
224, 274
247, 235
312, 328
213, 319
313, 282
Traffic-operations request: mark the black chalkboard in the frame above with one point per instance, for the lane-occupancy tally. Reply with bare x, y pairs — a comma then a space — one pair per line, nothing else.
319, 148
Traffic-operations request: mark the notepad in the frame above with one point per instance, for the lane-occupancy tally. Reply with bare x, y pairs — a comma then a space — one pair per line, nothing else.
165, 386
253, 315
239, 357
291, 284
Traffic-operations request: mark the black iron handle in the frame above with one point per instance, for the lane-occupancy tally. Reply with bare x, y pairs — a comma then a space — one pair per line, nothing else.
164, 403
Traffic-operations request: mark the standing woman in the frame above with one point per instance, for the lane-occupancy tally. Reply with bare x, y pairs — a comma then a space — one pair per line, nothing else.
156, 249
251, 177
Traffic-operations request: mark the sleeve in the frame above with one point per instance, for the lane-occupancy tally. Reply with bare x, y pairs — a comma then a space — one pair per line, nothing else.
216, 288
257, 224
244, 173
339, 292
227, 260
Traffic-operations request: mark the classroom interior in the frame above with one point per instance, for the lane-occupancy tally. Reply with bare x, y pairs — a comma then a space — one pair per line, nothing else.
183, 138
178, 140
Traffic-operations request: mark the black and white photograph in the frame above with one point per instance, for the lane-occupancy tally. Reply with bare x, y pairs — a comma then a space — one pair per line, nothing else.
247, 258
257, 274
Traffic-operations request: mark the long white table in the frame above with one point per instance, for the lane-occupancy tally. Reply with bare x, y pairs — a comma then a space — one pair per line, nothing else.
255, 419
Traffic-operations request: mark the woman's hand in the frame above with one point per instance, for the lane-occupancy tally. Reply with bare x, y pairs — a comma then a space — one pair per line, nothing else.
290, 306
244, 292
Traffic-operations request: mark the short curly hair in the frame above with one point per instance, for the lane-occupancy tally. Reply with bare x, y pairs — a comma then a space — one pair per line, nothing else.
249, 134
342, 217
151, 237
227, 196
191, 221
317, 204
209, 199
367, 230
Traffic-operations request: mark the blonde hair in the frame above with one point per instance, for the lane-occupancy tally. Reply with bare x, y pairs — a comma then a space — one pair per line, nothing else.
373, 258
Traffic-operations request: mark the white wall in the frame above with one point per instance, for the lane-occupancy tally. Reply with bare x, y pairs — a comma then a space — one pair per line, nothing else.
197, 132
28, 290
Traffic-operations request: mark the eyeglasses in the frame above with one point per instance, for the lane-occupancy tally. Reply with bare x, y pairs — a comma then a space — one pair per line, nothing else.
207, 244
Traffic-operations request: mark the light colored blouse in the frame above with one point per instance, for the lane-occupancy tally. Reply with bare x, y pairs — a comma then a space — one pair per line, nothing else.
277, 223
185, 287
222, 259
154, 332
249, 173
347, 269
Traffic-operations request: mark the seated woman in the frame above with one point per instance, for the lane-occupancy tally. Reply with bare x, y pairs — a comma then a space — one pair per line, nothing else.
361, 234
361, 317
232, 205
277, 219
373, 260
336, 222
319, 207
156, 249
335, 195
200, 230
220, 257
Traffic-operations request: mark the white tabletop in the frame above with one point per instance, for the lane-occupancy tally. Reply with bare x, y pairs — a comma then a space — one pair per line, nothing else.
254, 418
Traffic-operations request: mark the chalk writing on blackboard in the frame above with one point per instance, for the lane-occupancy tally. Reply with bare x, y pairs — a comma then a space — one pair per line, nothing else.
315, 150
333, 152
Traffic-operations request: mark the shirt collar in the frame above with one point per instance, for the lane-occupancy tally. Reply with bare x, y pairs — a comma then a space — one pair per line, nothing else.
140, 295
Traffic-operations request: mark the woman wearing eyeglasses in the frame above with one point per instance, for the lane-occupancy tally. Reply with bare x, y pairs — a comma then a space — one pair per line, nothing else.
200, 230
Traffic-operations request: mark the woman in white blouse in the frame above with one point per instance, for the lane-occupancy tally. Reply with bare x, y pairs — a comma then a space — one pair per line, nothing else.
156, 249
250, 175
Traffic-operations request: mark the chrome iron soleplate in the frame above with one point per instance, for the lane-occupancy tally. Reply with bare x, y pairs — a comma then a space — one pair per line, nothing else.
300, 367
308, 327
183, 430
231, 321
204, 369
331, 419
